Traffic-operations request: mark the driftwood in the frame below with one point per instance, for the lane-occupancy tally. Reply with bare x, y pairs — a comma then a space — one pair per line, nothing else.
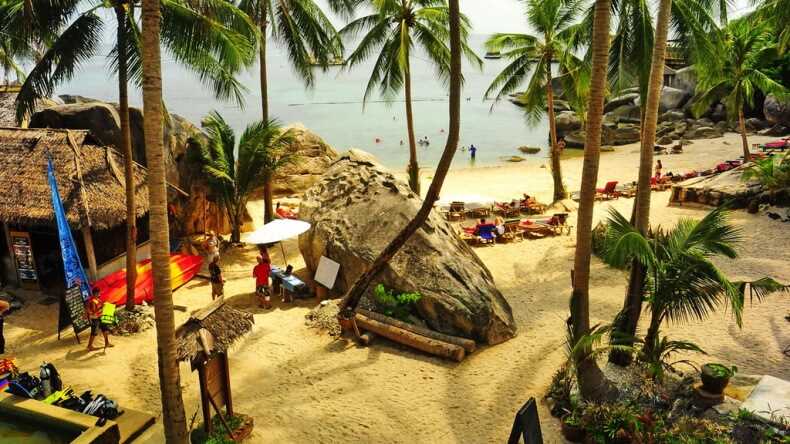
469, 345
405, 337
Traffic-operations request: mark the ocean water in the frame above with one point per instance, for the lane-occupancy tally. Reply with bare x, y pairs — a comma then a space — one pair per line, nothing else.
333, 107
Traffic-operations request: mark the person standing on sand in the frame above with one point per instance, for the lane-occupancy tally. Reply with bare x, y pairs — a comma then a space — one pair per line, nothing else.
261, 274
561, 144
94, 311
659, 167
472, 151
217, 281
4, 307
212, 246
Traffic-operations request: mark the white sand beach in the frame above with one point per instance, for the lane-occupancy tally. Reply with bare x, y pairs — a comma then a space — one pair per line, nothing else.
303, 386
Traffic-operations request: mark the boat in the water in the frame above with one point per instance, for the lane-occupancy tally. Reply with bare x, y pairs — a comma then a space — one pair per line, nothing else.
183, 267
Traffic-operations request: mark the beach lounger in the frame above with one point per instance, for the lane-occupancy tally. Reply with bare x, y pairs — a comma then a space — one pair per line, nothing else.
608, 192
776, 145
506, 210
486, 234
456, 211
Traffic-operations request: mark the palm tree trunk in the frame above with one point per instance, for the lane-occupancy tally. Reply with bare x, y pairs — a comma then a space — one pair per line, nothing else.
125, 145
173, 417
262, 61
414, 170
268, 200
591, 380
556, 168
361, 284
747, 155
652, 332
626, 323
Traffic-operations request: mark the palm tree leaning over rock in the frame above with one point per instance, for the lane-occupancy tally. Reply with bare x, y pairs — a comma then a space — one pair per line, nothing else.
554, 21
457, 47
173, 416
261, 150
591, 380
195, 38
746, 46
394, 29
307, 35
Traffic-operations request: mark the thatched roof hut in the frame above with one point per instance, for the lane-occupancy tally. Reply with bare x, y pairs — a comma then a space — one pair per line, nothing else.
91, 178
212, 329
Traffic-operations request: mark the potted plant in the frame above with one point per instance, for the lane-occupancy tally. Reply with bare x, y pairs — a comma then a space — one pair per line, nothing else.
572, 428
715, 377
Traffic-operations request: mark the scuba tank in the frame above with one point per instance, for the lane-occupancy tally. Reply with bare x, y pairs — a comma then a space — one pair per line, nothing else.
44, 376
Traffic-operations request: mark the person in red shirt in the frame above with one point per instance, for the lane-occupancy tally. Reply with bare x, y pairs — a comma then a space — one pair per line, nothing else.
93, 309
261, 275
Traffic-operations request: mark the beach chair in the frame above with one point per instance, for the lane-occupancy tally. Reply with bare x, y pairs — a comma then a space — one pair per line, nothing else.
486, 234
466, 236
456, 211
608, 192
506, 210
531, 206
776, 145
479, 212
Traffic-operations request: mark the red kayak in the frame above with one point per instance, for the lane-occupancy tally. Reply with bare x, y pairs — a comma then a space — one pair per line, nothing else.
113, 286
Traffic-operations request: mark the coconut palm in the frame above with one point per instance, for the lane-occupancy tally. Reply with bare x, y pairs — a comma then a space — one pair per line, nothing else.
554, 22
592, 383
261, 150
683, 283
457, 47
777, 13
196, 37
773, 173
745, 49
393, 29
173, 416
308, 37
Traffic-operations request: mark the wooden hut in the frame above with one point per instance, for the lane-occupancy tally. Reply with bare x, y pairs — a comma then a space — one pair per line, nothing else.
204, 341
91, 183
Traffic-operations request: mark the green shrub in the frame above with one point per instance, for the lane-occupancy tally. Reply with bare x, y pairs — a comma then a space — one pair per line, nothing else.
399, 306
722, 371
218, 435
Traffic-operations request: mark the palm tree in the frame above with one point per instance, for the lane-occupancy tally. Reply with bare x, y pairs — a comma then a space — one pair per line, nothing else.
554, 23
592, 383
261, 150
457, 47
194, 37
173, 416
395, 27
745, 49
773, 173
777, 12
683, 282
307, 35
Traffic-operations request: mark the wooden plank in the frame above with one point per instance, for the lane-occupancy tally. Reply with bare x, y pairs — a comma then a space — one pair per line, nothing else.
87, 239
469, 345
414, 340
203, 313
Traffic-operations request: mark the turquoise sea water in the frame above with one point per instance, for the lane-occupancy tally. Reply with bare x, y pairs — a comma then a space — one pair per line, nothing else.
333, 107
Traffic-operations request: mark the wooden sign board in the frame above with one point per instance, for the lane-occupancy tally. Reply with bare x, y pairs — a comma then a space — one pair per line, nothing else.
23, 257
326, 273
526, 425
72, 312
215, 387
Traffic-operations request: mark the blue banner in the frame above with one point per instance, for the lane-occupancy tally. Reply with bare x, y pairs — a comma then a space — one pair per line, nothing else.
72, 266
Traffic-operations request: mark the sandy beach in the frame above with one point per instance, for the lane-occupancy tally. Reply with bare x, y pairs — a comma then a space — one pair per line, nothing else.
304, 386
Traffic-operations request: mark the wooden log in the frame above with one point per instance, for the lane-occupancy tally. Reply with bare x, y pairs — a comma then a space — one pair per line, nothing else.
411, 339
469, 345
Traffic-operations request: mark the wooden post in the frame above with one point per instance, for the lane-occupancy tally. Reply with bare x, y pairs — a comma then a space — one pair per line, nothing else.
204, 400
7, 234
87, 238
228, 398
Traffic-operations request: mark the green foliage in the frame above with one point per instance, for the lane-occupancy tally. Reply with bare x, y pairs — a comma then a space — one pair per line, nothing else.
658, 358
262, 149
399, 306
773, 173
219, 434
721, 370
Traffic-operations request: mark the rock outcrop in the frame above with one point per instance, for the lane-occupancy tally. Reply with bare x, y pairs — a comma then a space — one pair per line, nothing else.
358, 207
776, 112
312, 157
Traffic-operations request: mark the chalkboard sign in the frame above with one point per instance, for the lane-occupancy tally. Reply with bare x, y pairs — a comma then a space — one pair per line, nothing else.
526, 425
23, 256
72, 312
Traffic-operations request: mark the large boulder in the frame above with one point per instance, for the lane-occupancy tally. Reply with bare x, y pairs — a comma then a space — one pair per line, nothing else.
358, 207
686, 80
312, 157
625, 99
672, 116
567, 121
625, 112
626, 133
672, 98
776, 112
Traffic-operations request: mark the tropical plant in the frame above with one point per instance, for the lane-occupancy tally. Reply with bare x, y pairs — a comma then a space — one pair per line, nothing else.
777, 14
394, 29
746, 47
173, 416
400, 305
307, 35
554, 22
682, 282
456, 34
721, 370
773, 173
261, 150
658, 356
592, 383
194, 37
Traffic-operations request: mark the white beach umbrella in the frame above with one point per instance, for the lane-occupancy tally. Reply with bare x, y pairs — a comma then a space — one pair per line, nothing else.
276, 231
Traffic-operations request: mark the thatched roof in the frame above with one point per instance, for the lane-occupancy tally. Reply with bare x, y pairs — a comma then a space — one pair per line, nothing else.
221, 327
90, 177
7, 109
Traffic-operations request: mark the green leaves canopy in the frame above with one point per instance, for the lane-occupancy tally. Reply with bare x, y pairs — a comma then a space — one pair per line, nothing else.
196, 33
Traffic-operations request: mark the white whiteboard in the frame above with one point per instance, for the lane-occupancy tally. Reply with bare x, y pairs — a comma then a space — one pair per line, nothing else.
326, 273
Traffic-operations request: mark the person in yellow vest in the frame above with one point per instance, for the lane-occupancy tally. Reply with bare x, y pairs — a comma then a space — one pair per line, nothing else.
96, 316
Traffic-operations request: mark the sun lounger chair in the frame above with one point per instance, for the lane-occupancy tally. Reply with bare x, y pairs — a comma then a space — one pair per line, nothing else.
456, 211
608, 192
507, 210
486, 233
776, 145
466, 236
531, 206
479, 212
